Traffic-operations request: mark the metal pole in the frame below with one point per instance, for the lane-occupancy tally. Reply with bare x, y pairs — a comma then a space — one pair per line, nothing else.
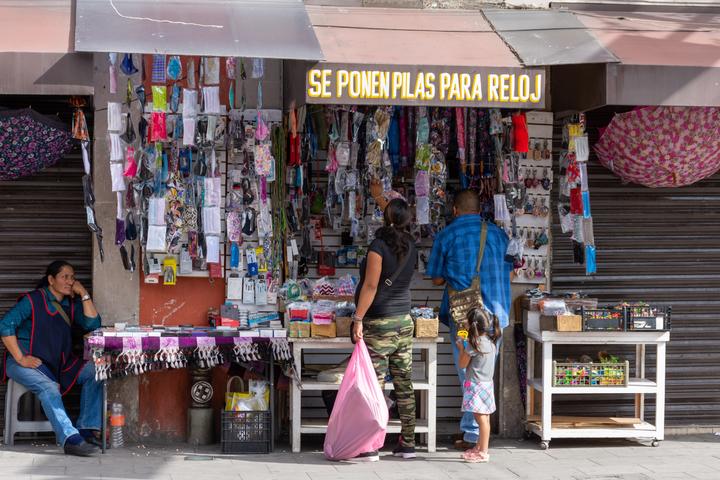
104, 416
272, 400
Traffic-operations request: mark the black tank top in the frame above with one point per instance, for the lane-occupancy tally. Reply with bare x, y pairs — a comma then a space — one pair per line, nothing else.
393, 300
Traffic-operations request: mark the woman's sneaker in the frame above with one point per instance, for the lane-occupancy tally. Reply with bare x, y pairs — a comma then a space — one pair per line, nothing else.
404, 452
373, 456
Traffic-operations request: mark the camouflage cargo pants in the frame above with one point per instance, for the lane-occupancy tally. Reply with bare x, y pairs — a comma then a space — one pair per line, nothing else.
389, 341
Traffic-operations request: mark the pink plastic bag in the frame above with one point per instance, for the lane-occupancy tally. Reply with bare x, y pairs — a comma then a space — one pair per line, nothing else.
359, 418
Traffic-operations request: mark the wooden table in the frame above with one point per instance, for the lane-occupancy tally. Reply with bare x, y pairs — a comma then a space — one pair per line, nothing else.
639, 386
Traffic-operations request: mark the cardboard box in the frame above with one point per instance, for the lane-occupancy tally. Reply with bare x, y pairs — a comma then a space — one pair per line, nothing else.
299, 330
561, 323
344, 324
427, 327
328, 330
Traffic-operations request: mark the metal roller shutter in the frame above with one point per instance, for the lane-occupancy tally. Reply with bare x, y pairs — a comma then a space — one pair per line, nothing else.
42, 219
655, 245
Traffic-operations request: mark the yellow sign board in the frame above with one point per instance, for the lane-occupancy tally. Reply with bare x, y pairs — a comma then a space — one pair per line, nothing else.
508, 87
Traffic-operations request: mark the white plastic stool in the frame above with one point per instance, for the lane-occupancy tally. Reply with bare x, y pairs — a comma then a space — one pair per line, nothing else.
12, 424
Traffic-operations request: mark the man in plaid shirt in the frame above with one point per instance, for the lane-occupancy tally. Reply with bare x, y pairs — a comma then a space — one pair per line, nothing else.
453, 261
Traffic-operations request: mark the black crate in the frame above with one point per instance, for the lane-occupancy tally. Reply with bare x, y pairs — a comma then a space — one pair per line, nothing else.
648, 318
246, 432
603, 319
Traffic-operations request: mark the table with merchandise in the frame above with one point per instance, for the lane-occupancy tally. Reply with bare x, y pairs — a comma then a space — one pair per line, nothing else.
590, 376
137, 350
324, 323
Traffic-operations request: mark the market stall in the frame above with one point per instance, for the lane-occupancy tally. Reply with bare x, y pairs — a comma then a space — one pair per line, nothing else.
416, 123
193, 170
281, 207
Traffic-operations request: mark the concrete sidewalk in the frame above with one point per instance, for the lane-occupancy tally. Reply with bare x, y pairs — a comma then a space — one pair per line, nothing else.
687, 457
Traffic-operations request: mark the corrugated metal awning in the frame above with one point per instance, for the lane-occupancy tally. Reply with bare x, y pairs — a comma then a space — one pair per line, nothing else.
548, 37
666, 58
237, 28
401, 36
31, 26
657, 38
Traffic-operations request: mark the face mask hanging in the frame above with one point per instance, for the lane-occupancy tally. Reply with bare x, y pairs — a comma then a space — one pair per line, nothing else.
174, 68
127, 66
113, 73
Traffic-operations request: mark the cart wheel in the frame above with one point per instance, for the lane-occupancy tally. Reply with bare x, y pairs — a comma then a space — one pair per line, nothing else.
544, 445
655, 443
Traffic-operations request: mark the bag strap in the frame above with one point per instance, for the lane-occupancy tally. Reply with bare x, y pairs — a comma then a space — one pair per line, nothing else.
235, 380
62, 312
401, 266
481, 252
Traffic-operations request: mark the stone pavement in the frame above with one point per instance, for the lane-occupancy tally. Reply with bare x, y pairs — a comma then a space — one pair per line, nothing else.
686, 457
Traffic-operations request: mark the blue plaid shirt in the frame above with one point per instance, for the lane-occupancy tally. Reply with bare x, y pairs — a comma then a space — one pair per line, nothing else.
454, 257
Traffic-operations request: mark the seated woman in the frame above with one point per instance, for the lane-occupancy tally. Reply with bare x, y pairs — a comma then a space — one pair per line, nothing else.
37, 333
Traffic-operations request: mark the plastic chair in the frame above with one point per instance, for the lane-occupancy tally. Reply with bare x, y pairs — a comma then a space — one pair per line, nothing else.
13, 425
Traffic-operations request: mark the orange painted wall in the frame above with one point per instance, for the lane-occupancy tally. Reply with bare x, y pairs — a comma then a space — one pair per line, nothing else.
165, 396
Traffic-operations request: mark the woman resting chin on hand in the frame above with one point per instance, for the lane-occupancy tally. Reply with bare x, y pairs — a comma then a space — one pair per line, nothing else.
37, 333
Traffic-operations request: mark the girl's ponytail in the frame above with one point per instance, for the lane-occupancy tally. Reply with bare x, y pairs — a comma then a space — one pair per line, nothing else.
480, 322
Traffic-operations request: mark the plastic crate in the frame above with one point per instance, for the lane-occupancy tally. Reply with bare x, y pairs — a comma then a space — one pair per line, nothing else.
590, 374
644, 317
604, 319
246, 432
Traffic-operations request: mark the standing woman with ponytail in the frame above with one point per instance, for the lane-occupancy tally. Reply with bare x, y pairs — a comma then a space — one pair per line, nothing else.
382, 317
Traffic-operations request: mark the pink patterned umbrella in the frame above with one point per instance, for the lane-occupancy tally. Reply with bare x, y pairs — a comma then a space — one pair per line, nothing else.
662, 146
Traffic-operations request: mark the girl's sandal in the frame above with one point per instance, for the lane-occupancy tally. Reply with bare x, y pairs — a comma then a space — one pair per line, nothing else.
475, 456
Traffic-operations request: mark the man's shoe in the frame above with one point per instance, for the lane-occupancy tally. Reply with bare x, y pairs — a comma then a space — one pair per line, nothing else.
83, 449
92, 437
404, 452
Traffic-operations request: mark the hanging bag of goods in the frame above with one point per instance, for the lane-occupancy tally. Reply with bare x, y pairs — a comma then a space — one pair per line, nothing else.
462, 301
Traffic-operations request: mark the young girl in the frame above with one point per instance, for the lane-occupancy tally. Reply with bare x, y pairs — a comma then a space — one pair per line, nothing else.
477, 357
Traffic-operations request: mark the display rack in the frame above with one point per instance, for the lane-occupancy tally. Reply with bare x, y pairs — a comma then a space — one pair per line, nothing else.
426, 424
590, 427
